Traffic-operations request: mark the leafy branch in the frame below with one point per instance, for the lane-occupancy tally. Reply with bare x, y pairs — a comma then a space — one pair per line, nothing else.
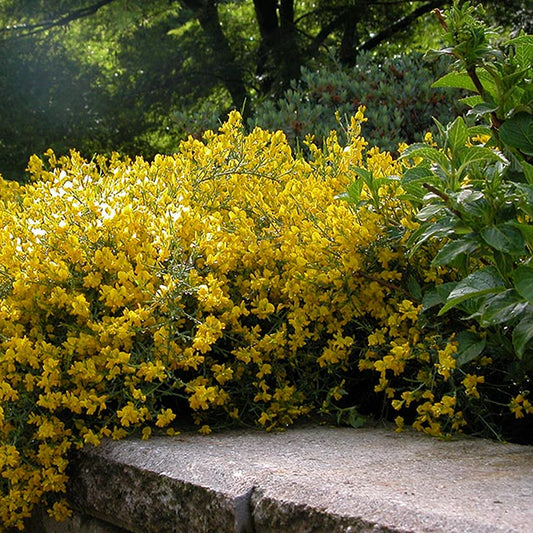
61, 20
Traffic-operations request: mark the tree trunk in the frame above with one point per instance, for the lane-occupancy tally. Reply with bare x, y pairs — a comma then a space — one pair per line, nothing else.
267, 20
228, 70
289, 51
279, 58
347, 50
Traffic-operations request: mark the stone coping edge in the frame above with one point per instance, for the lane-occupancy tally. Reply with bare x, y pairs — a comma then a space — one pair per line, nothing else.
311, 479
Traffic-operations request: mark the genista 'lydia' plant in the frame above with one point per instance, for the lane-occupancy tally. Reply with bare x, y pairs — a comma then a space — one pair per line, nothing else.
224, 283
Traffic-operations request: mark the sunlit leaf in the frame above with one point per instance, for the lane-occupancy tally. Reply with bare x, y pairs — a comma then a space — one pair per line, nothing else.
479, 283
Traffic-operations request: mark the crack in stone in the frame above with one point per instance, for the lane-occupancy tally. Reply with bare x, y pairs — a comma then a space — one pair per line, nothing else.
244, 522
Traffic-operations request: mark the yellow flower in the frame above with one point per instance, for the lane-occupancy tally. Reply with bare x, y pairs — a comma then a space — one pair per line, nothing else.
397, 404
264, 418
222, 373
202, 397
519, 406
60, 511
164, 418
151, 371
80, 306
129, 414
262, 308
400, 423
89, 437
408, 310
207, 334
447, 361
471, 382
118, 433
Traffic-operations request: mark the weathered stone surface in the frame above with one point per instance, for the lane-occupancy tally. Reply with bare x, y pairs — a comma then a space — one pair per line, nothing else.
147, 490
311, 479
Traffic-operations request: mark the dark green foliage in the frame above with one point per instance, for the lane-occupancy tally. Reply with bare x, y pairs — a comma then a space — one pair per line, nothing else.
46, 100
136, 76
396, 91
475, 193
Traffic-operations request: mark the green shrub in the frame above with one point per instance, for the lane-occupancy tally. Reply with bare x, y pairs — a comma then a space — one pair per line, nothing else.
479, 188
397, 93
473, 190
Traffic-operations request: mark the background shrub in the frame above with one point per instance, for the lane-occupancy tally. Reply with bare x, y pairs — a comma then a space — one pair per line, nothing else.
396, 91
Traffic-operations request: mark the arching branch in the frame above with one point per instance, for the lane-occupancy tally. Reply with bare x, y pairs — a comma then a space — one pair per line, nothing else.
60, 20
400, 24
341, 18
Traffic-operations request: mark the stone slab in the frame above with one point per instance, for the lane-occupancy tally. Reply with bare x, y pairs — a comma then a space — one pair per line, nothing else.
307, 479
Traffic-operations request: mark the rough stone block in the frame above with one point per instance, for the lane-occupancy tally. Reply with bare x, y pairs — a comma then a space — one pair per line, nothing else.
304, 480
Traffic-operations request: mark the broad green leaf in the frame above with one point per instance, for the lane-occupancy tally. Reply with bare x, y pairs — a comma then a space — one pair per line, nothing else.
461, 80
456, 134
438, 295
479, 283
528, 171
513, 79
523, 280
523, 46
430, 211
522, 334
453, 249
505, 238
518, 132
414, 183
428, 153
480, 107
527, 231
418, 173
414, 287
444, 227
502, 307
427, 230
472, 101
470, 347
480, 154
413, 194
462, 229
479, 130
457, 80
353, 193
472, 202
363, 173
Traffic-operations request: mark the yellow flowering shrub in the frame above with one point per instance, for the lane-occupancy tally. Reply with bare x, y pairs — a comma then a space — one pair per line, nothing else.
215, 280
228, 281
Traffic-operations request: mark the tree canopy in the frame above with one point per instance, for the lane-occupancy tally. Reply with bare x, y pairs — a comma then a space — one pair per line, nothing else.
111, 74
